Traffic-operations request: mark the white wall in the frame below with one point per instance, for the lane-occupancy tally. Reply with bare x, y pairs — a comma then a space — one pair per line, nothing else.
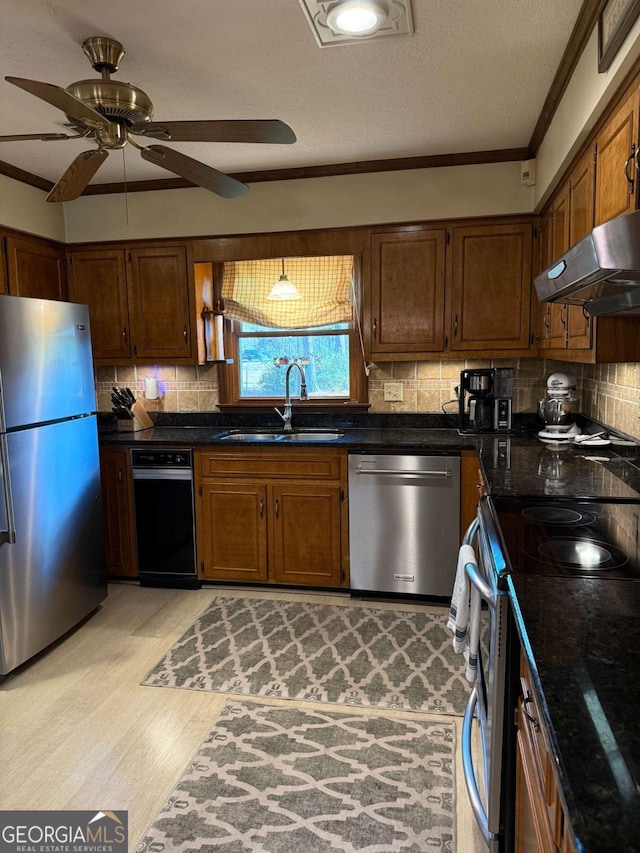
582, 104
23, 207
421, 194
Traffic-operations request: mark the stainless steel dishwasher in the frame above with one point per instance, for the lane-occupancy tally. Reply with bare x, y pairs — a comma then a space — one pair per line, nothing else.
404, 523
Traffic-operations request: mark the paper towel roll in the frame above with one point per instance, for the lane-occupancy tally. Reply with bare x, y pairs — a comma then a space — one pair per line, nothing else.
151, 388
219, 333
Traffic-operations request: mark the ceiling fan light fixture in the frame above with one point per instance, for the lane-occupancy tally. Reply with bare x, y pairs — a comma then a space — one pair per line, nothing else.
357, 17
283, 290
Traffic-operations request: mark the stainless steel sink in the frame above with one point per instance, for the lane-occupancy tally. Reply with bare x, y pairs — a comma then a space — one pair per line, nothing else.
296, 435
310, 436
249, 436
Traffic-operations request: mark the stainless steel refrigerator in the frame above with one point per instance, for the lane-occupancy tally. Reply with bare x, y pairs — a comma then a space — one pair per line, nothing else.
52, 571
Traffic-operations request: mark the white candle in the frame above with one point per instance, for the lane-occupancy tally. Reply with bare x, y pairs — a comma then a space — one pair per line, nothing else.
151, 388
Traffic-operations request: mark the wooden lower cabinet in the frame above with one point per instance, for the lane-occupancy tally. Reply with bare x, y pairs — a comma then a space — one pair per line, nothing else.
117, 507
272, 516
540, 824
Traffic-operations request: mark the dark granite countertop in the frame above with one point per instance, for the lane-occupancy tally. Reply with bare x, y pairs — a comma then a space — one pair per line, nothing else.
582, 637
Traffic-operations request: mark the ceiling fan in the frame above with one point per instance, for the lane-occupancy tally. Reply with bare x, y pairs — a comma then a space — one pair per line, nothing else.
111, 114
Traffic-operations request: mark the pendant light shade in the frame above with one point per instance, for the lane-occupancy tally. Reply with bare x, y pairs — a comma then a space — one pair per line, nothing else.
284, 289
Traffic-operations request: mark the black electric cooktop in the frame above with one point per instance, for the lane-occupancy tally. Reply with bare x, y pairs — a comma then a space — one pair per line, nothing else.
571, 538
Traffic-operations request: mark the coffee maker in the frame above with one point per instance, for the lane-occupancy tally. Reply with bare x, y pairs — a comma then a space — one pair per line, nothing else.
484, 399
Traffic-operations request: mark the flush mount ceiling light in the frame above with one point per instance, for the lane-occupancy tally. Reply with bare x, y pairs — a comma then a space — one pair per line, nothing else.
336, 22
284, 289
357, 17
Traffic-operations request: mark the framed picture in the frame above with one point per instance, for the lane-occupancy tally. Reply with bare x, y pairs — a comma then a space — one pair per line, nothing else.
615, 19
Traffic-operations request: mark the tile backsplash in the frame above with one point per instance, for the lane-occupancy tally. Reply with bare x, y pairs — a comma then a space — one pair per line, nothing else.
610, 393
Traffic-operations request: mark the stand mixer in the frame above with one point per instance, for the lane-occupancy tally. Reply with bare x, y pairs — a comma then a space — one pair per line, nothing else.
558, 409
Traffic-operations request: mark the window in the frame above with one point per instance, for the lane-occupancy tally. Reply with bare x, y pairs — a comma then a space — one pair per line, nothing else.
318, 331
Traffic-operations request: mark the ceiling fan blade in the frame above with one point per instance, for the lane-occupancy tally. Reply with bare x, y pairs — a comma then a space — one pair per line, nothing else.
60, 98
194, 171
273, 131
44, 137
75, 179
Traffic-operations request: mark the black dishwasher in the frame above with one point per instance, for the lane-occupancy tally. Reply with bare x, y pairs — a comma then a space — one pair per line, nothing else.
164, 517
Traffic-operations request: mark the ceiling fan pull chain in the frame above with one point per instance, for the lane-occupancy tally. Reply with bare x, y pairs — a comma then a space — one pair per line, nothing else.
126, 196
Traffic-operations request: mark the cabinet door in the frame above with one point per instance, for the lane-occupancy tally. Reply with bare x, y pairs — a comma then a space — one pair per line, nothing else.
559, 245
491, 287
232, 531
407, 291
616, 174
159, 303
306, 534
581, 215
98, 279
117, 506
35, 269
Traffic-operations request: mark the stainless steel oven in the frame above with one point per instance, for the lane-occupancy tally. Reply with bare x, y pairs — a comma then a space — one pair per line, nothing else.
495, 690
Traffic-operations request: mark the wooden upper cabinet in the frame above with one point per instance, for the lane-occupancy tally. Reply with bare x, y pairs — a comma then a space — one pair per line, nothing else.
159, 303
139, 304
581, 219
35, 269
98, 279
491, 287
616, 173
407, 292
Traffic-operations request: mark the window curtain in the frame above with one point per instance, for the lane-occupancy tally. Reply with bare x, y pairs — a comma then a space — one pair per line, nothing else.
324, 284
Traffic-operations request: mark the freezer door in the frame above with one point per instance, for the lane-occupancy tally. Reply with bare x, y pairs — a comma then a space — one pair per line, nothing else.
53, 575
46, 370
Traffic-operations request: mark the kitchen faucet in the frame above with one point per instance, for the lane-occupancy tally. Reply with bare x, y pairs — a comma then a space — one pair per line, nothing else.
286, 415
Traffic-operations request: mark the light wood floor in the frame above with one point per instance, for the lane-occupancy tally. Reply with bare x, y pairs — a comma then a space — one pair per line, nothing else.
78, 731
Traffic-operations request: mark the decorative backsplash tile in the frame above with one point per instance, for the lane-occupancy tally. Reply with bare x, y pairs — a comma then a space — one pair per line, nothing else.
610, 393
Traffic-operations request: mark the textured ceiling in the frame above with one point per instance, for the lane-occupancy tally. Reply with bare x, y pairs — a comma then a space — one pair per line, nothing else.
473, 77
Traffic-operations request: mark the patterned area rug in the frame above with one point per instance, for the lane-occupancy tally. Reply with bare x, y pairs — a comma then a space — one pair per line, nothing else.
320, 652
284, 780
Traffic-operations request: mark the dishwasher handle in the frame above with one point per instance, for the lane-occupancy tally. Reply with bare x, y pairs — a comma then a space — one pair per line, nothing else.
398, 472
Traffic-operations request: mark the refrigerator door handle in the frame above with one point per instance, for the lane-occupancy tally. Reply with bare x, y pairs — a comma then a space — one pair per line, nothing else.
7, 536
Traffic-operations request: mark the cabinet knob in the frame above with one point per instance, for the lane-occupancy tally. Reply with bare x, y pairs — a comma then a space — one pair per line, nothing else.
455, 325
185, 334
124, 334
375, 328
277, 509
120, 477
261, 508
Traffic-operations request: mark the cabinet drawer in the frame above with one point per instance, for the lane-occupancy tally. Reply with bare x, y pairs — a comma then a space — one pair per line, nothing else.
272, 464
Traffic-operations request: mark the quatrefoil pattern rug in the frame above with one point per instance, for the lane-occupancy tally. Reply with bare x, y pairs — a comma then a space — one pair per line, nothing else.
272, 779
344, 654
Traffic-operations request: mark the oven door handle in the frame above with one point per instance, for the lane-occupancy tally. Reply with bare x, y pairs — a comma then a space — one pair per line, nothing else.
481, 585
469, 774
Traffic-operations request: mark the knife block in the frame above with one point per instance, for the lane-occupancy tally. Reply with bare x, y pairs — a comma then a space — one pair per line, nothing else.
140, 420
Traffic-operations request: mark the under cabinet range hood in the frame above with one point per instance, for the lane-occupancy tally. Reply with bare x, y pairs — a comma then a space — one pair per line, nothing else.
601, 272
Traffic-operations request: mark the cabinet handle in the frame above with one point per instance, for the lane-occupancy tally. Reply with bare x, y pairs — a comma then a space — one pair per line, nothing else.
120, 478
533, 720
587, 318
375, 329
261, 508
277, 508
455, 326
185, 334
546, 321
124, 334
632, 156
563, 316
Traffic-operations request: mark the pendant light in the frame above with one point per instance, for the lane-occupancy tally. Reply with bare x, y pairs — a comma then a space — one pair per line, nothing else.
284, 289
357, 17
